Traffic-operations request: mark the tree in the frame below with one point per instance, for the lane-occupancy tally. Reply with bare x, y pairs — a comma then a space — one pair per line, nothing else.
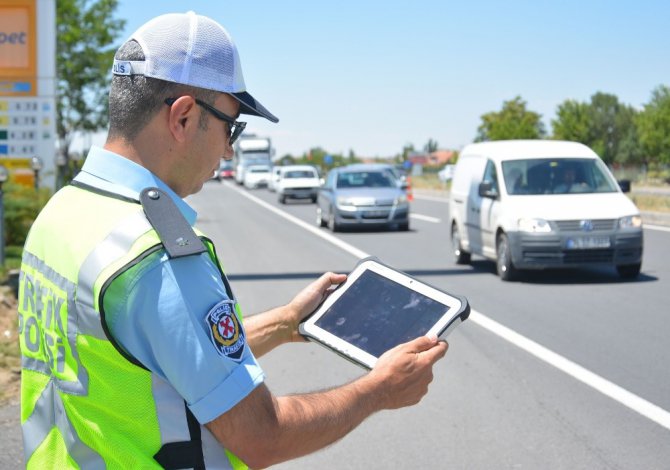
611, 124
407, 150
604, 124
85, 31
512, 122
572, 122
431, 146
654, 126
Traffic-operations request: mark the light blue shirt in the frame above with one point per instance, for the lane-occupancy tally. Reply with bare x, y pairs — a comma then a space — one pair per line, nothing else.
158, 310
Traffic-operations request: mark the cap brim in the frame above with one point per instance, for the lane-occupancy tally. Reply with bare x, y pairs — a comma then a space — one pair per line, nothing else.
249, 105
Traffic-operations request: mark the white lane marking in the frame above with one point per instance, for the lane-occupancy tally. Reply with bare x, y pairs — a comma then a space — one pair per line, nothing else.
425, 218
604, 386
656, 227
315, 230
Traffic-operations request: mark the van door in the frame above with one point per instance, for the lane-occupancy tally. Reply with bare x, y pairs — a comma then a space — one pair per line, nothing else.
489, 206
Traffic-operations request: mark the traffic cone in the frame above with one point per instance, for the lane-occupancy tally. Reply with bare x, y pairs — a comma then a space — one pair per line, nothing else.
410, 196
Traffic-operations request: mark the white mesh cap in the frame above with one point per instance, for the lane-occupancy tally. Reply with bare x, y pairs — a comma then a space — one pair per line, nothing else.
192, 50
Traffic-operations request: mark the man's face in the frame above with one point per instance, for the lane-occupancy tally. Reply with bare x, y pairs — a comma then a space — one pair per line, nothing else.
212, 143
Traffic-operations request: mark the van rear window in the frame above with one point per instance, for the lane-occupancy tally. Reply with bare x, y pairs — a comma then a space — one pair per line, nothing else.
557, 176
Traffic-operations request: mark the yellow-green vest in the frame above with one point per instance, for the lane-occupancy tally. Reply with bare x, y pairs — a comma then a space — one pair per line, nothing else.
84, 403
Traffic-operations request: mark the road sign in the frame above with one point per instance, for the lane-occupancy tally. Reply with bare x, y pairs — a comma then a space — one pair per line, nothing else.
28, 86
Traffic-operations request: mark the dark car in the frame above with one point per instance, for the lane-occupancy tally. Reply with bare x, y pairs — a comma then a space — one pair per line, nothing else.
225, 171
362, 195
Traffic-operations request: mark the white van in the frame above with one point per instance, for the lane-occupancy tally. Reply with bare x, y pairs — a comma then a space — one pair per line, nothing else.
533, 204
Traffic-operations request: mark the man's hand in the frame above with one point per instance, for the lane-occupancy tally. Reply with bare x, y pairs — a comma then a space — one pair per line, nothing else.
268, 330
404, 372
309, 299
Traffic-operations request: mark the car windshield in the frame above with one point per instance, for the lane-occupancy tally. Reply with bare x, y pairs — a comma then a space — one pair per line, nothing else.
557, 176
299, 174
365, 179
259, 170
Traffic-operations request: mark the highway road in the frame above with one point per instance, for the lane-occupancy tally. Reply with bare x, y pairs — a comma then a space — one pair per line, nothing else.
562, 370
566, 369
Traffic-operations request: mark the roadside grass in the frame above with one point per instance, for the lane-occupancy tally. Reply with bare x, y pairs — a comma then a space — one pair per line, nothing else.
651, 202
429, 181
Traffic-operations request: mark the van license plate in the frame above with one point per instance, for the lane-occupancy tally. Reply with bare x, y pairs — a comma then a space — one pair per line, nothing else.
582, 243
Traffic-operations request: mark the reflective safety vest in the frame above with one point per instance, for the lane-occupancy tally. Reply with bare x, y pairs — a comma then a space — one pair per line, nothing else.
84, 402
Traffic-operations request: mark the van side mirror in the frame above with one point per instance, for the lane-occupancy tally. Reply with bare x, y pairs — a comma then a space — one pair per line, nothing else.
486, 189
624, 185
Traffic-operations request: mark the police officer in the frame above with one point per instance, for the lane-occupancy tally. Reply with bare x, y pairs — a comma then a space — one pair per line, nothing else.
134, 350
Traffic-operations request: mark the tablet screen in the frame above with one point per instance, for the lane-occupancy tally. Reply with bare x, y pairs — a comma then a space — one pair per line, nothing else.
376, 314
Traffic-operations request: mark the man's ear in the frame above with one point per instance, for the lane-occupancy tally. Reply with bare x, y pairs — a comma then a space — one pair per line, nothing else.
183, 118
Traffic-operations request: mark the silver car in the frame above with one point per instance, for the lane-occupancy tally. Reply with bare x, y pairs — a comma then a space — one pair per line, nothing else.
362, 196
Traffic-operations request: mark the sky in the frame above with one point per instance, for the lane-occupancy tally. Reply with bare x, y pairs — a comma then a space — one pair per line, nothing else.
374, 76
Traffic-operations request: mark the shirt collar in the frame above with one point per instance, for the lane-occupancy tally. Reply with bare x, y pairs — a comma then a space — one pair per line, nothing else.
112, 172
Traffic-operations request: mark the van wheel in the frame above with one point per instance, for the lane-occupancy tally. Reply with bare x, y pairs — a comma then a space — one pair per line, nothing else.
629, 271
506, 269
460, 255
282, 199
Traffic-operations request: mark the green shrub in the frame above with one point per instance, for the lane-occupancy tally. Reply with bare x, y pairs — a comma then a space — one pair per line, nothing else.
21, 206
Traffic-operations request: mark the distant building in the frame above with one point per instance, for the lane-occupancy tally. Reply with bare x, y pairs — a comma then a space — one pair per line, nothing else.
437, 158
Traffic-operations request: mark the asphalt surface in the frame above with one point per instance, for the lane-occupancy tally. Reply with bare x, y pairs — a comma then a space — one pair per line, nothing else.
496, 401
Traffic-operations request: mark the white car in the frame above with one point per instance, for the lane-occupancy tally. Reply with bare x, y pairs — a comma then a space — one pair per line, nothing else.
297, 182
257, 176
274, 178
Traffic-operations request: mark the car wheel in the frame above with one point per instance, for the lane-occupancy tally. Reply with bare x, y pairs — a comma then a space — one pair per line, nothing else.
460, 255
629, 271
282, 199
320, 222
313, 199
332, 223
505, 267
404, 226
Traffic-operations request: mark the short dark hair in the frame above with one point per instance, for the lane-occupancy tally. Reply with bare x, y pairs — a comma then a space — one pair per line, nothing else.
135, 99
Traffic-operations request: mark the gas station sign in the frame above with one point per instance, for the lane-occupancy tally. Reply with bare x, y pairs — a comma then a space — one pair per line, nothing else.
18, 48
27, 87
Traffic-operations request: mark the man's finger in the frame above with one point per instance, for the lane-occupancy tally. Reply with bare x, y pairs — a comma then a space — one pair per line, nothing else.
328, 279
422, 343
436, 352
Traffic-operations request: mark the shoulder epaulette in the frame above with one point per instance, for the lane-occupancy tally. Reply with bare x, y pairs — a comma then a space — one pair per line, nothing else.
172, 228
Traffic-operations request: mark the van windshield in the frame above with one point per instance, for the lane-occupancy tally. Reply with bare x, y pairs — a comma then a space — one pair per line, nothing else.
557, 176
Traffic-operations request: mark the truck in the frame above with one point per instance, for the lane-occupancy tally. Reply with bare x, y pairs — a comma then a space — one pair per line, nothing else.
251, 149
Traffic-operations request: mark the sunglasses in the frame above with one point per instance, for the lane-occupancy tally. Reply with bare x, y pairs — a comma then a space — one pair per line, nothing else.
235, 128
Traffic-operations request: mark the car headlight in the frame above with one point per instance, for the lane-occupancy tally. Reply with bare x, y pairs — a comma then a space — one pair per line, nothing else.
402, 199
345, 203
632, 221
534, 225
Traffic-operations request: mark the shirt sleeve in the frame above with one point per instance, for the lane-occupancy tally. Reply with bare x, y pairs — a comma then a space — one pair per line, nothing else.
175, 317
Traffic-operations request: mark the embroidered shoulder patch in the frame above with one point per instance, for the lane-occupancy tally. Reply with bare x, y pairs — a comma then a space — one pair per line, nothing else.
225, 330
